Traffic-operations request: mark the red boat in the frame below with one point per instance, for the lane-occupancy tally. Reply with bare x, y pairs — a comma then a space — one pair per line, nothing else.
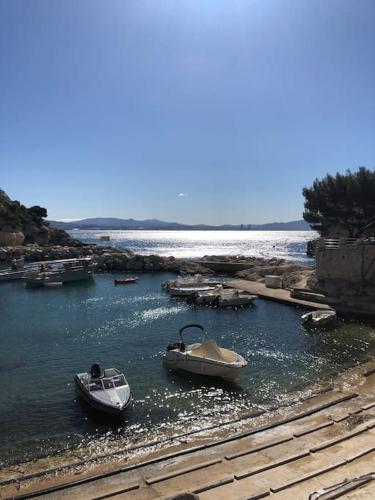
126, 281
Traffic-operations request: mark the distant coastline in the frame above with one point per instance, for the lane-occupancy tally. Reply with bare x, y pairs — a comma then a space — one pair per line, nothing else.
111, 223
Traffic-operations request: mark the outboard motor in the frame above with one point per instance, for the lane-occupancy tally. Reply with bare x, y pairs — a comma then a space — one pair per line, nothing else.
95, 371
176, 345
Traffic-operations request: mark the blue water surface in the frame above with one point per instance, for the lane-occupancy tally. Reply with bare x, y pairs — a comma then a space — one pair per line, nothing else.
48, 335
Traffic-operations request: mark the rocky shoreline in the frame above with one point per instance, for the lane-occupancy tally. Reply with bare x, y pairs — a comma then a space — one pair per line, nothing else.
108, 258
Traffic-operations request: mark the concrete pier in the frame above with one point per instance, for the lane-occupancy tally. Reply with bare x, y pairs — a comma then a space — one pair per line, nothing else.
276, 294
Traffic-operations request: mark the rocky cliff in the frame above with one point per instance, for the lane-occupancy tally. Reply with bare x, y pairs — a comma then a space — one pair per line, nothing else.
20, 225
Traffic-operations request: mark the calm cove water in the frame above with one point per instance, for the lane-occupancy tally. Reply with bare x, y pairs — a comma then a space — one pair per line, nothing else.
48, 335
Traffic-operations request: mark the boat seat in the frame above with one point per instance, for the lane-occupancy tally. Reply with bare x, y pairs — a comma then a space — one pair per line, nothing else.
110, 372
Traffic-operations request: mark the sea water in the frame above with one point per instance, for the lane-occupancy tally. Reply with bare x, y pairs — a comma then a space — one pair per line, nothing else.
49, 334
290, 245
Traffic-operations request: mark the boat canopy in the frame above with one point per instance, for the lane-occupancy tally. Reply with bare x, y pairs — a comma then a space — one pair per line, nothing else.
193, 326
210, 350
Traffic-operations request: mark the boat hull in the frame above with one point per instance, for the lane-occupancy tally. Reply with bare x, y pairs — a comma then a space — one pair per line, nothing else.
11, 275
97, 405
177, 361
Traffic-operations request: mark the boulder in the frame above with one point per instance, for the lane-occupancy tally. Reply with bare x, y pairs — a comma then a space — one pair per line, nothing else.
11, 238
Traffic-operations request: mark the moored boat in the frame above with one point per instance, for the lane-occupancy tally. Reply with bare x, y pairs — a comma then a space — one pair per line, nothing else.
189, 291
319, 318
235, 298
65, 270
126, 281
191, 281
106, 391
203, 358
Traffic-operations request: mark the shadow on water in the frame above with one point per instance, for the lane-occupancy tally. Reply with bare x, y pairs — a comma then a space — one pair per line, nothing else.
191, 381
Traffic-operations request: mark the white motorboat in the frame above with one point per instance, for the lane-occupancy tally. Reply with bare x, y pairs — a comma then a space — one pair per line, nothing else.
319, 318
15, 272
56, 271
207, 298
204, 358
189, 291
106, 391
197, 280
235, 298
224, 298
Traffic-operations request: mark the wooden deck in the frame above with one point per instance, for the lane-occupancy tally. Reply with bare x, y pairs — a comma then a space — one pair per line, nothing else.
276, 294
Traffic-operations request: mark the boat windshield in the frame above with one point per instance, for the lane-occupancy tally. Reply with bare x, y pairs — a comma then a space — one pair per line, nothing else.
95, 385
108, 383
119, 381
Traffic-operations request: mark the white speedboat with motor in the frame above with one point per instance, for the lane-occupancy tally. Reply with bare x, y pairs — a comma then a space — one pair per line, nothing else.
203, 358
106, 391
319, 318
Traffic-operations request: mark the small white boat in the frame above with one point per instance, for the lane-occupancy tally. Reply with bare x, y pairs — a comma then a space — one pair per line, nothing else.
204, 358
235, 298
319, 318
191, 281
207, 298
189, 291
225, 298
106, 391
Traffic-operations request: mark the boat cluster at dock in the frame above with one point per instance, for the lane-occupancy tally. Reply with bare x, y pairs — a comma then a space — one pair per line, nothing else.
50, 273
206, 291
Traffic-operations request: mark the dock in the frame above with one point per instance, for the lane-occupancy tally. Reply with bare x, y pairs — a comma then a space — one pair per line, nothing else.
281, 295
323, 441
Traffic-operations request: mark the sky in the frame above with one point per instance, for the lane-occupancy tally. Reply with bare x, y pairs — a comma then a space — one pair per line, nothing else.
196, 111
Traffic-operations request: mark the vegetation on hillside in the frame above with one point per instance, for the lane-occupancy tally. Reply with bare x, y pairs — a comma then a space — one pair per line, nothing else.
342, 205
17, 216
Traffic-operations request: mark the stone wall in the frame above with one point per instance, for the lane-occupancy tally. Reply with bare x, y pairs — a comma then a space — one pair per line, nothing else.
346, 275
352, 263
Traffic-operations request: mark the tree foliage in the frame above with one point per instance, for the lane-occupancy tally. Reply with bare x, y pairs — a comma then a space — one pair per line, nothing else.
343, 204
37, 212
16, 215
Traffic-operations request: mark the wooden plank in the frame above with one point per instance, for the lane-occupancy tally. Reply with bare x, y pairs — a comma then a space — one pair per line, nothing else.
272, 465
180, 472
260, 447
131, 487
214, 484
307, 476
337, 440
361, 454
303, 432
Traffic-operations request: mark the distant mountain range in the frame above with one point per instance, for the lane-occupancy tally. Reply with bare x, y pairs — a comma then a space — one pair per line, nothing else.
115, 223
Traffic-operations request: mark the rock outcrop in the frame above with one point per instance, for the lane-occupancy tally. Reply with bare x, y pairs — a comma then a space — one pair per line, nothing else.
20, 225
107, 258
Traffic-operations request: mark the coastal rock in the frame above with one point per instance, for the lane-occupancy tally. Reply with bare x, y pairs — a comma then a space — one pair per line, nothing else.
11, 238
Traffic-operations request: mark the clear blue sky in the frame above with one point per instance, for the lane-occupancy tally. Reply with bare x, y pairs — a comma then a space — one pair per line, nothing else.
115, 107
